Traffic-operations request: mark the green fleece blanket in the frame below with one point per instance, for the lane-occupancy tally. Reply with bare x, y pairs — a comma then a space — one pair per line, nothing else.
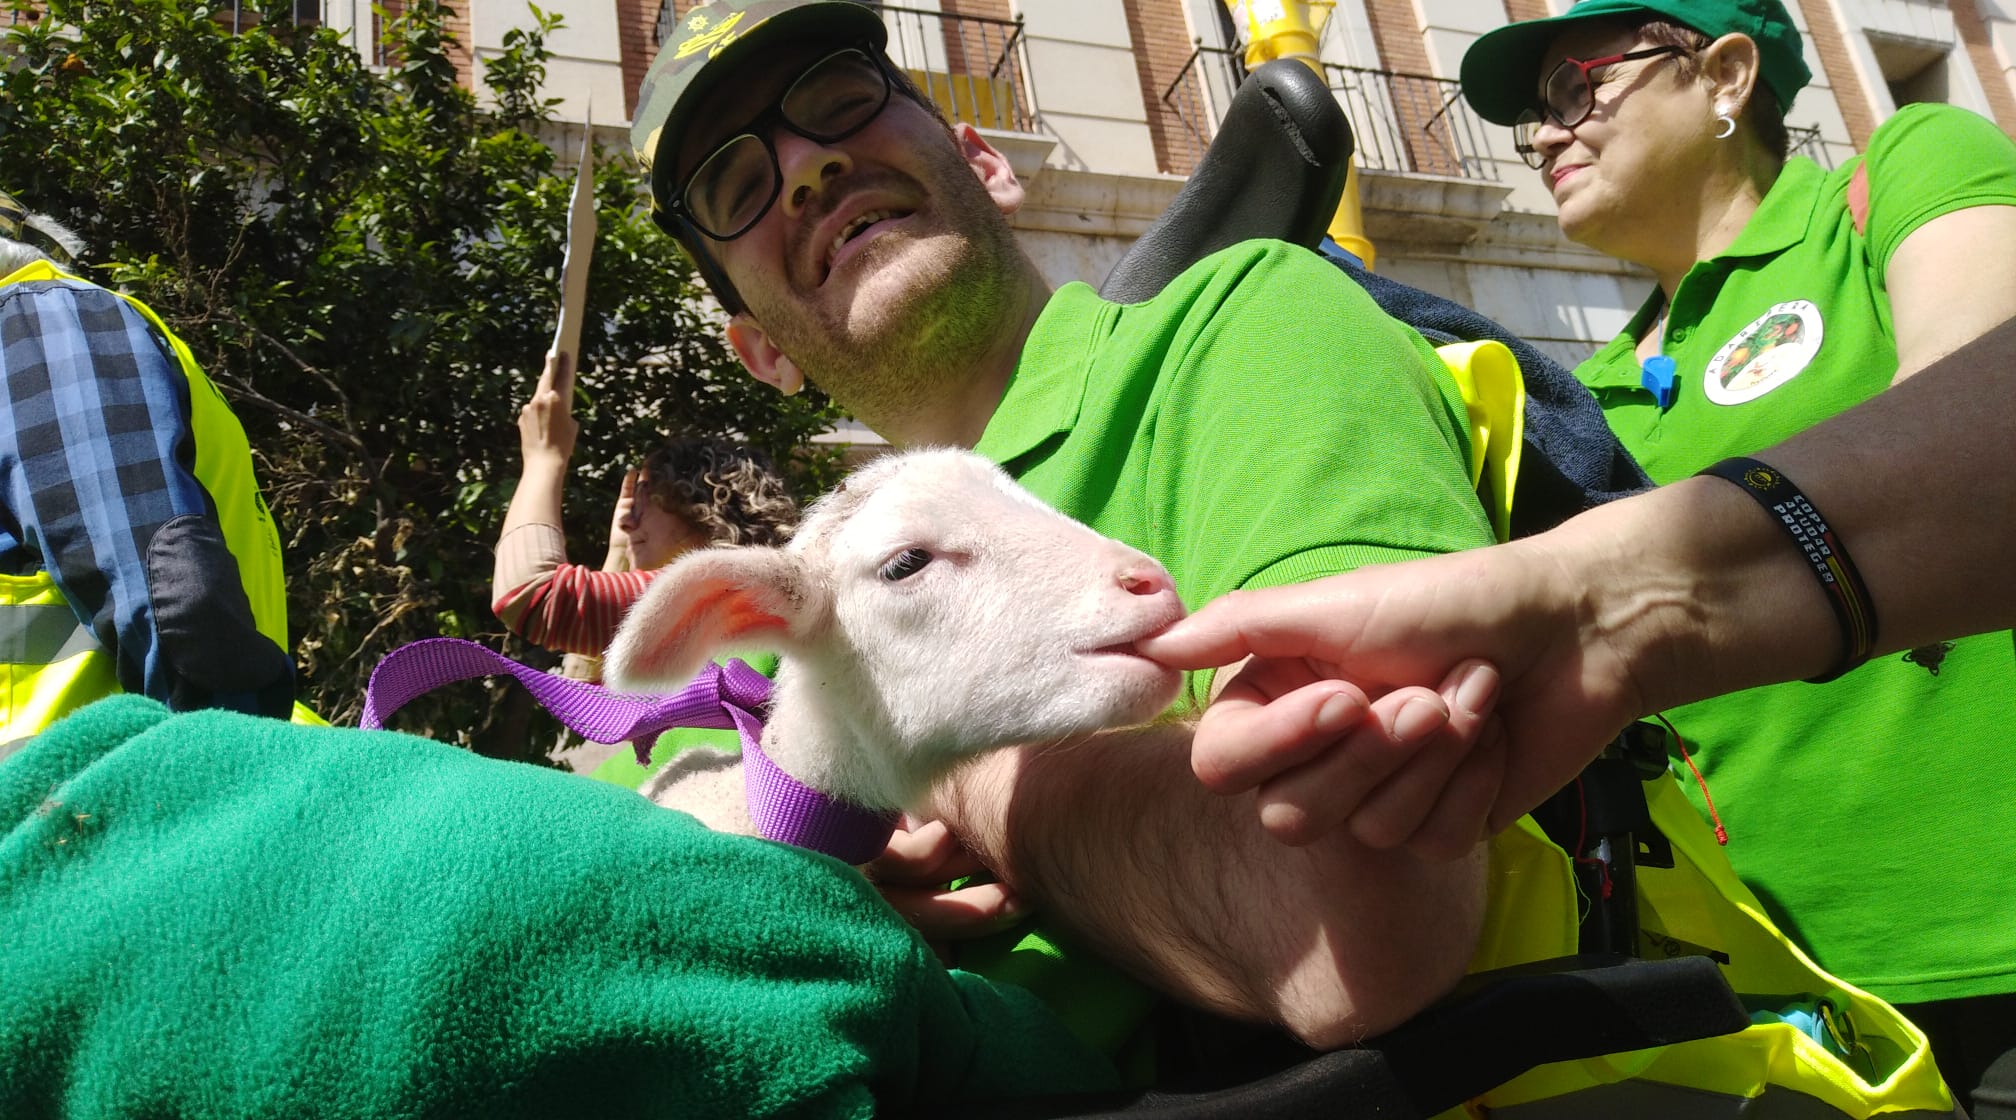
214, 915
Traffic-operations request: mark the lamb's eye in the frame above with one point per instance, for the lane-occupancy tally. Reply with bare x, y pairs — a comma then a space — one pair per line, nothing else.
906, 563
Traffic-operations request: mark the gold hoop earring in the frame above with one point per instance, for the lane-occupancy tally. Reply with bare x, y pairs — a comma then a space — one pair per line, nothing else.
1728, 124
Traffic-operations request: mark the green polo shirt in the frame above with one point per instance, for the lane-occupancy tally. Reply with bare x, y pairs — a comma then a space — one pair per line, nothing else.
1258, 422
1791, 324
1874, 816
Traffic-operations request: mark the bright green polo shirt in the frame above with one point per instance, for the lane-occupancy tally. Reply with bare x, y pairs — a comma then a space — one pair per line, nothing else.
1259, 422
1875, 816
1791, 324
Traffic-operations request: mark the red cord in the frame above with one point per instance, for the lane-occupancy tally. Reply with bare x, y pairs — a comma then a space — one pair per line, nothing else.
1721, 833
1582, 838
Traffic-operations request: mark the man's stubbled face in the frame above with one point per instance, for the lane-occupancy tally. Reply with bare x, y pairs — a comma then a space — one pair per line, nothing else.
882, 265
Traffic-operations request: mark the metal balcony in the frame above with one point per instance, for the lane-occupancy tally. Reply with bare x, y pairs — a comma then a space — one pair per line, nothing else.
1401, 122
1806, 142
975, 68
241, 17
1412, 122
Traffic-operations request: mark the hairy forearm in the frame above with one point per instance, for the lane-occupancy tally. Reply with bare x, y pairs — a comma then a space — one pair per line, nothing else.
1920, 482
1115, 839
1694, 590
1704, 593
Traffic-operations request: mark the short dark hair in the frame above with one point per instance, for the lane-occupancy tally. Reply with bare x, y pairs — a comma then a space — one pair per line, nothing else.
1766, 116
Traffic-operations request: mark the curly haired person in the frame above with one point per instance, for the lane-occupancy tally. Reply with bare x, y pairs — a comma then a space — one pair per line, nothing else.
690, 493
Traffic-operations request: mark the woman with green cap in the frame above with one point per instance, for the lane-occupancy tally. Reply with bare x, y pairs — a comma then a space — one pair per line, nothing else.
1874, 816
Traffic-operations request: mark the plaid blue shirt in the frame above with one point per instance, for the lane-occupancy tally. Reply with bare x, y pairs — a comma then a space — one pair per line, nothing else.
96, 457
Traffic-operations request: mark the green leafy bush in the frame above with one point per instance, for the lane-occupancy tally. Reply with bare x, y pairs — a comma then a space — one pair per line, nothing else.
366, 261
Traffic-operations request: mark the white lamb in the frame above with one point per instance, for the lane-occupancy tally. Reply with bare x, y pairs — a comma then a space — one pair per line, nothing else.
927, 610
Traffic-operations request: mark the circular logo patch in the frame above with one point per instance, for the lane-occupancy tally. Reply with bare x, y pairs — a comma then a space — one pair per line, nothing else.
1764, 355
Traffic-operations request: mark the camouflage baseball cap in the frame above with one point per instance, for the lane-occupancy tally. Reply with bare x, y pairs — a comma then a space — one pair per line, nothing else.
709, 43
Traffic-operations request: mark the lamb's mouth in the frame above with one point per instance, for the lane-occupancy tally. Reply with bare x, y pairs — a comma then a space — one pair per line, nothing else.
855, 228
1122, 648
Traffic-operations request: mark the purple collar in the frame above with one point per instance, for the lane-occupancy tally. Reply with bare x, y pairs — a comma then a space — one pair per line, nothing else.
720, 697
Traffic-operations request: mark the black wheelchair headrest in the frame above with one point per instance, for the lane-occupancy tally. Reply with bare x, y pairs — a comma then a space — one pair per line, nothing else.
1276, 169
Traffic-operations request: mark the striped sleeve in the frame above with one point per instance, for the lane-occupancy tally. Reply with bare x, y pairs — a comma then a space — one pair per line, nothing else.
569, 608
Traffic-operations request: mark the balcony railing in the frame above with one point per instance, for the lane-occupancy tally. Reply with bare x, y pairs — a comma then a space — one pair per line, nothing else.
975, 68
1199, 97
1400, 122
240, 16
1411, 122
1806, 142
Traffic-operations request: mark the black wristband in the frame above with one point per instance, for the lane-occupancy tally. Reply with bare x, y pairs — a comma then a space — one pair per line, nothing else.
1853, 608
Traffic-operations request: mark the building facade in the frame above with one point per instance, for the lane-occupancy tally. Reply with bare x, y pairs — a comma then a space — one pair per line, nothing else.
1104, 105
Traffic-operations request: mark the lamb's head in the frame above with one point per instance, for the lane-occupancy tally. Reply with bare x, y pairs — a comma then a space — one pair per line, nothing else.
927, 610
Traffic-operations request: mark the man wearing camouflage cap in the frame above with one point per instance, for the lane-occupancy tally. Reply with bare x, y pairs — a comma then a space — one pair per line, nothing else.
858, 241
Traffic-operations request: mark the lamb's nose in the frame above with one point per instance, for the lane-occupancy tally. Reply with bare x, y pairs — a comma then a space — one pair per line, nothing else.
1144, 579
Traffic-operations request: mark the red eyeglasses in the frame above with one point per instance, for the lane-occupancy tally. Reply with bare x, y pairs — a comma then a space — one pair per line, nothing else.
1567, 96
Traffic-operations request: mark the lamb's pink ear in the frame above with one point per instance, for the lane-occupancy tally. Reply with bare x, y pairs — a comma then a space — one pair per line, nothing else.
706, 603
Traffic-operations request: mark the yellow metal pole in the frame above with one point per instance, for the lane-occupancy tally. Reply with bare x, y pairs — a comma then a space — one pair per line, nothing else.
1291, 29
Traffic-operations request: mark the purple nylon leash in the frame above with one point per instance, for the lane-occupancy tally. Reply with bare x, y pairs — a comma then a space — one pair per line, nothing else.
719, 697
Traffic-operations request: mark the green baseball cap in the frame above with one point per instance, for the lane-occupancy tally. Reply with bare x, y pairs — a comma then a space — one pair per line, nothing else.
1501, 70
708, 44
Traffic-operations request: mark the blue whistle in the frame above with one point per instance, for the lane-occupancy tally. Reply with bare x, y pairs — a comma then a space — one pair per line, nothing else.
1662, 378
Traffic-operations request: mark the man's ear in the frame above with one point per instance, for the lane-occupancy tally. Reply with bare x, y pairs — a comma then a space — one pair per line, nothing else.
763, 358
990, 166
1731, 67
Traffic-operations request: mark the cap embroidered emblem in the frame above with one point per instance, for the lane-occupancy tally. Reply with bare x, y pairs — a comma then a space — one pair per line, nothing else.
710, 40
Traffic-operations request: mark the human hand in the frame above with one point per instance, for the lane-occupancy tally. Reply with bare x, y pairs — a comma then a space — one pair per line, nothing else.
618, 558
546, 426
1316, 719
912, 874
1320, 753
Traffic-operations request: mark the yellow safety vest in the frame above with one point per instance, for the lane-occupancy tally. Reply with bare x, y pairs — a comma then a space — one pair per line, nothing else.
1494, 396
50, 662
1699, 905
